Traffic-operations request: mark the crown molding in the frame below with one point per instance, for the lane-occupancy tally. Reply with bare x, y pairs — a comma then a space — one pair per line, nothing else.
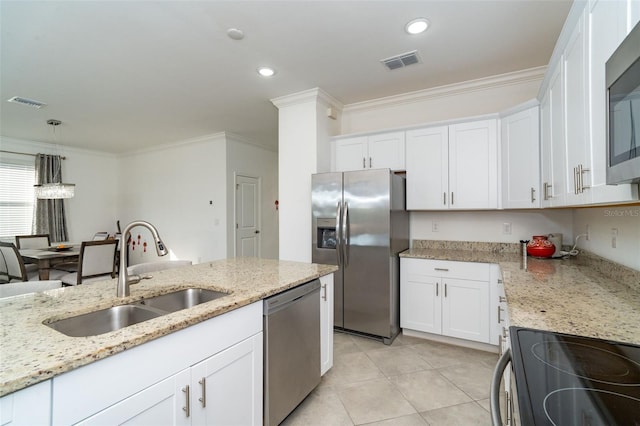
500, 80
306, 96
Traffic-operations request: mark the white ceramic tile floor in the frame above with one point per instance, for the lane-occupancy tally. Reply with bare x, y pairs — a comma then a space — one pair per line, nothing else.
411, 382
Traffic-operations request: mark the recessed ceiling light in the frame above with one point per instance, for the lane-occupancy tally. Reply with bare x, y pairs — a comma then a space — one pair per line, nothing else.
235, 34
266, 71
417, 26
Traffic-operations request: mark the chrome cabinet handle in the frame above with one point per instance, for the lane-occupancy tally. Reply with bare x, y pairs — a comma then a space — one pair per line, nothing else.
364, 163
533, 195
499, 312
581, 171
437, 287
546, 187
500, 345
203, 398
345, 234
370, 162
444, 198
445, 289
502, 299
575, 180
187, 407
452, 198
441, 269
324, 292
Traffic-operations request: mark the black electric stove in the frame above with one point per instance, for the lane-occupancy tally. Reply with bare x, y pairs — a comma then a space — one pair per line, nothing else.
563, 379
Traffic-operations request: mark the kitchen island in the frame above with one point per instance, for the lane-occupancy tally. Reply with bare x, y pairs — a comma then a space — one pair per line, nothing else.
31, 352
570, 296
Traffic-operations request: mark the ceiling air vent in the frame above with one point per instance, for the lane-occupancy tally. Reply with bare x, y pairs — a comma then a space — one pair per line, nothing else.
28, 102
402, 60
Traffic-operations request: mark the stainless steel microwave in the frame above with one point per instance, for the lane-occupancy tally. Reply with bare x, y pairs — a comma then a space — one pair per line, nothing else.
623, 111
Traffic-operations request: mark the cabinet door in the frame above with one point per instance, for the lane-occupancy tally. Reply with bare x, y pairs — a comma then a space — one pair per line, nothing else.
520, 160
427, 168
326, 323
420, 298
465, 309
473, 165
553, 142
386, 151
226, 389
576, 131
607, 28
161, 404
29, 406
351, 154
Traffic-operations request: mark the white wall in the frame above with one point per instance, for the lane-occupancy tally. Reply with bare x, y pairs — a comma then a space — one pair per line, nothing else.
488, 225
601, 221
94, 207
172, 187
466, 99
250, 160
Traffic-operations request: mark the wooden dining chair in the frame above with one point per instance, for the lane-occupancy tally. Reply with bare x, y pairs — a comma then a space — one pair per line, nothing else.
96, 262
33, 241
99, 236
12, 267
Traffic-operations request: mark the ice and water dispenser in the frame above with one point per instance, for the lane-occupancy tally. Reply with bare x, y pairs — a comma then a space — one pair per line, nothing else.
326, 233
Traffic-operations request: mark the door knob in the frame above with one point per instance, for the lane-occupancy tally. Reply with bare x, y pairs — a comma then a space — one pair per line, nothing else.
257, 231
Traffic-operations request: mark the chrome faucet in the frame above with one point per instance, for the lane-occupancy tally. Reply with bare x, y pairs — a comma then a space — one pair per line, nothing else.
124, 280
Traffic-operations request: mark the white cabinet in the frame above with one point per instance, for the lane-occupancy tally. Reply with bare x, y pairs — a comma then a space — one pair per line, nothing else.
446, 297
147, 380
573, 123
326, 323
453, 167
29, 406
520, 144
552, 153
378, 151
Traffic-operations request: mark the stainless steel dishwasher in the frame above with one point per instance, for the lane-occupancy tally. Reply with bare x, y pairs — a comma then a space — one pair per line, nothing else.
291, 349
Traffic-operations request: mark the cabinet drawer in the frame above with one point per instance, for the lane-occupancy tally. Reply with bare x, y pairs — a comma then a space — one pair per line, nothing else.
448, 268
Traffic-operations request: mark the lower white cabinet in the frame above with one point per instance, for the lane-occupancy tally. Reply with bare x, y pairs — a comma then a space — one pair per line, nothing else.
29, 406
157, 382
326, 323
446, 297
224, 389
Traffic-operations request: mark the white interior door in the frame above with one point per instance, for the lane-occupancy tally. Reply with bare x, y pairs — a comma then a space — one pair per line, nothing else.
247, 216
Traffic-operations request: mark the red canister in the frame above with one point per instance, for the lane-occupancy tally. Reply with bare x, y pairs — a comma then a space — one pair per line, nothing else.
540, 246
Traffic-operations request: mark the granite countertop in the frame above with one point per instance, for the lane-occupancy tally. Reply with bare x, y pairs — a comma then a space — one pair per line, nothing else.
572, 296
31, 352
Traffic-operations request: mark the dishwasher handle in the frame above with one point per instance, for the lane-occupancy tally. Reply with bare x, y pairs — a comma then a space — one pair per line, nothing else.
496, 418
284, 299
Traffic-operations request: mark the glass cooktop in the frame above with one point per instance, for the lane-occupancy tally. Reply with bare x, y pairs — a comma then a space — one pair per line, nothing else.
563, 379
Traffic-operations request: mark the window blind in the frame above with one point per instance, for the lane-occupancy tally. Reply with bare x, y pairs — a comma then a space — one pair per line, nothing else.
17, 177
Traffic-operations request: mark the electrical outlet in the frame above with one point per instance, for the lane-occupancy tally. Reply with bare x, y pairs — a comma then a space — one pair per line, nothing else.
614, 237
435, 226
588, 232
506, 228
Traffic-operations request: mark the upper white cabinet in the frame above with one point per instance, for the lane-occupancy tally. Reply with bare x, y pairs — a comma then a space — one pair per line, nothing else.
379, 151
573, 108
453, 167
520, 143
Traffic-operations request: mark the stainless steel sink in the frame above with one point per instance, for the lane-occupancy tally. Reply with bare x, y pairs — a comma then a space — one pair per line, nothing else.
103, 321
117, 317
182, 299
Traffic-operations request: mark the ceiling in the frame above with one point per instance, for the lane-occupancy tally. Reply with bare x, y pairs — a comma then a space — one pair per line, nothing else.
130, 75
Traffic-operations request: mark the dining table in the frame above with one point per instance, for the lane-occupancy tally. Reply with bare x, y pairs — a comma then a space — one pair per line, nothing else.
48, 257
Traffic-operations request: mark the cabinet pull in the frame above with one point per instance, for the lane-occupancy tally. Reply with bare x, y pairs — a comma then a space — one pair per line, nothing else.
437, 285
444, 198
499, 281
499, 311
581, 171
575, 180
502, 299
187, 407
445, 289
546, 187
500, 345
509, 407
370, 163
203, 398
364, 163
451, 198
441, 269
324, 292
533, 195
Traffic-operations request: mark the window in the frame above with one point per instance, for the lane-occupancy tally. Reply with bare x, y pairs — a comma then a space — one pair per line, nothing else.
17, 177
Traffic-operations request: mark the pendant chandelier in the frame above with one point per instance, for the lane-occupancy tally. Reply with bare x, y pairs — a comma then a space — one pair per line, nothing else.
55, 190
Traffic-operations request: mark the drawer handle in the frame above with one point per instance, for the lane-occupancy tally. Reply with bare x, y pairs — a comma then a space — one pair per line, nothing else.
324, 292
441, 269
499, 312
186, 408
203, 398
445, 289
437, 286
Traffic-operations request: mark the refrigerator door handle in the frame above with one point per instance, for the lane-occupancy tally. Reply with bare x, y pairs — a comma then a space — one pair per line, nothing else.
338, 233
345, 234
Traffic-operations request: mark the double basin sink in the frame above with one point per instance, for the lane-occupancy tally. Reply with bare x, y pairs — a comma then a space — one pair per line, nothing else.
117, 317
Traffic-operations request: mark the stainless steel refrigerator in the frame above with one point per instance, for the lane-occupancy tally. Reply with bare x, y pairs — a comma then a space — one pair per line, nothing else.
360, 223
